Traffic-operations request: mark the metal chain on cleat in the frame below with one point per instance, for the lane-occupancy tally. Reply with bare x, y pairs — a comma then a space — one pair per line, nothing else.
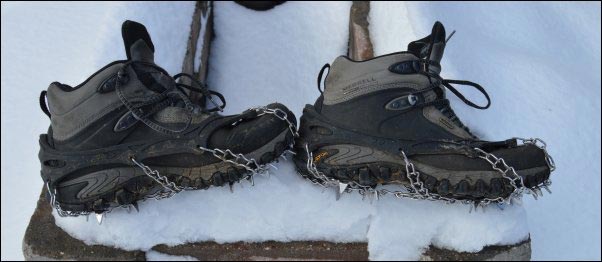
170, 188
162, 180
498, 164
249, 164
238, 160
280, 114
549, 161
56, 205
417, 190
541, 145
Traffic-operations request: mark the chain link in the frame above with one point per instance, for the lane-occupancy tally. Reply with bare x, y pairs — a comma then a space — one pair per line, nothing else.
280, 114
155, 175
170, 188
416, 189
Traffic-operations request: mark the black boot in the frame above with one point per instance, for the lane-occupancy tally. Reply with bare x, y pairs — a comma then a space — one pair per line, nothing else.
387, 121
130, 132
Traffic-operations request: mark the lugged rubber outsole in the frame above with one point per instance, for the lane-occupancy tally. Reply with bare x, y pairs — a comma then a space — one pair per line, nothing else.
139, 186
371, 174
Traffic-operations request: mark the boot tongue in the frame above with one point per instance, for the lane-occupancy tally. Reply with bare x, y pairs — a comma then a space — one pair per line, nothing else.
137, 41
432, 46
139, 47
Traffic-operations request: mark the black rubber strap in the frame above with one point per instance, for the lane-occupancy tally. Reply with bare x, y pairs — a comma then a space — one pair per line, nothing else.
320, 77
43, 104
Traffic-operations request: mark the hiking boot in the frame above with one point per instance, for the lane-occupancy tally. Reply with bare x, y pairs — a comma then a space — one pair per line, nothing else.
130, 132
386, 120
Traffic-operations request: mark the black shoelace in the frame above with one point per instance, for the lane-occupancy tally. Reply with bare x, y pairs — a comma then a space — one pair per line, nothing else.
438, 83
442, 104
169, 97
174, 95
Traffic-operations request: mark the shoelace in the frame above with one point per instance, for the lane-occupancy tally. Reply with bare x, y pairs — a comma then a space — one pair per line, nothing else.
437, 85
442, 103
143, 109
167, 98
204, 90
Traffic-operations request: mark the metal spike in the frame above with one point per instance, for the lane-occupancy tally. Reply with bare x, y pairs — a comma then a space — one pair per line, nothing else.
135, 205
87, 217
500, 206
538, 191
273, 166
230, 185
533, 193
547, 189
129, 209
283, 157
376, 195
99, 218
517, 200
251, 180
342, 187
471, 208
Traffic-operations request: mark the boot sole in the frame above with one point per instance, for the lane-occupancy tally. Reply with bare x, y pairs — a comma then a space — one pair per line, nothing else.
370, 167
125, 185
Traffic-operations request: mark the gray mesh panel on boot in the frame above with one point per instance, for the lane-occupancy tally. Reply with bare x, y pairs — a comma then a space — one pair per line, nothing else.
72, 111
349, 79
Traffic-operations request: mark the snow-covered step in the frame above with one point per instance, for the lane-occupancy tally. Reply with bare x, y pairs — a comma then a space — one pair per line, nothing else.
45, 241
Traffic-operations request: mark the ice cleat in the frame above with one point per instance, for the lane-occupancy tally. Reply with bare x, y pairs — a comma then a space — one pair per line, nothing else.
130, 132
386, 121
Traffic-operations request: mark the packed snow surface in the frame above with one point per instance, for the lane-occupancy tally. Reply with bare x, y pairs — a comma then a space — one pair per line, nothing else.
539, 62
153, 255
65, 42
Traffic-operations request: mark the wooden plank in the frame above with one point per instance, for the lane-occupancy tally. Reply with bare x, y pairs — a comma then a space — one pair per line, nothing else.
360, 45
198, 46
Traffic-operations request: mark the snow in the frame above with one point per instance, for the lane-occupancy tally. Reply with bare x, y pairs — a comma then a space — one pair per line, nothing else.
200, 41
540, 64
261, 57
65, 42
152, 255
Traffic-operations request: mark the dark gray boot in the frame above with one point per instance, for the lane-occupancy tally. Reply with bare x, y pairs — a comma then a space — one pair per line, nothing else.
387, 121
130, 132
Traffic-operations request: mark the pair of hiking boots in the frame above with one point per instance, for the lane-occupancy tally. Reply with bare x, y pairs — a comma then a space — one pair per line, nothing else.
131, 132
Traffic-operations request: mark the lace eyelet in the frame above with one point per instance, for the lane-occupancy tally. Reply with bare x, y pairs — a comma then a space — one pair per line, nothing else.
412, 99
122, 77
